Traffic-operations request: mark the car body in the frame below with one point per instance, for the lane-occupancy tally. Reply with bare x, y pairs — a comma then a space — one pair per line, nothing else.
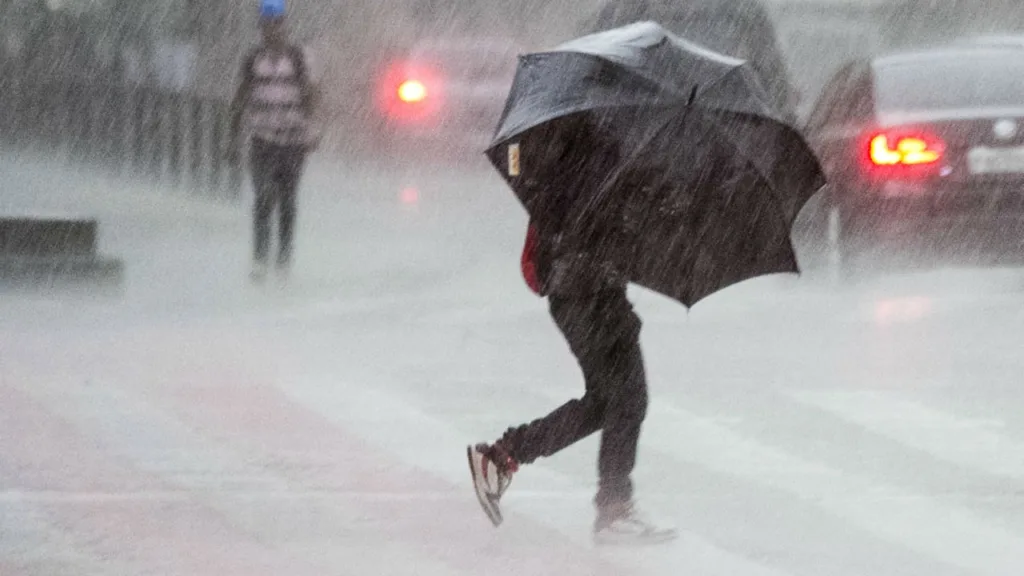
738, 28
994, 40
925, 149
445, 92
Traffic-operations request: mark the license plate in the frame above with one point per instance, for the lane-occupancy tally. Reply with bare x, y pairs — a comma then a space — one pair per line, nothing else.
996, 160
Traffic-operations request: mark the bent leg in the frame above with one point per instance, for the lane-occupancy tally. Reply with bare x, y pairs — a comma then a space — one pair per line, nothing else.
543, 437
604, 332
576, 419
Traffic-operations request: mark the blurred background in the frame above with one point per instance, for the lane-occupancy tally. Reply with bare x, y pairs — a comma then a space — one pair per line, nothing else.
193, 48
191, 422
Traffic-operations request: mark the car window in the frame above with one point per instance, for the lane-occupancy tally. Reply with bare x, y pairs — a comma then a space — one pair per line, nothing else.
468, 61
944, 82
827, 110
859, 103
742, 29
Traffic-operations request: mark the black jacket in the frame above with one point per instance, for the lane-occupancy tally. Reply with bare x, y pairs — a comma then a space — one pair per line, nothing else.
576, 229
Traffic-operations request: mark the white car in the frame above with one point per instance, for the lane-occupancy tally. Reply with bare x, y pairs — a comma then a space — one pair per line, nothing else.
446, 92
995, 40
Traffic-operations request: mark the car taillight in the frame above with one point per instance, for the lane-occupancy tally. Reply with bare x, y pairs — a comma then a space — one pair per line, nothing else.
902, 154
409, 94
886, 150
412, 91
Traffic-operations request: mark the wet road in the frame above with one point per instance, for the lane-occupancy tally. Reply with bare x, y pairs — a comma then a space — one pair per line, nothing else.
197, 424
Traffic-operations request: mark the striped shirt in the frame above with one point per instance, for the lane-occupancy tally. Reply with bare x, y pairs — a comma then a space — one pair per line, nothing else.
276, 112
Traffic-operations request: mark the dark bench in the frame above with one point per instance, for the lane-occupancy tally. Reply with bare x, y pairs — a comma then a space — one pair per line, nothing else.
46, 250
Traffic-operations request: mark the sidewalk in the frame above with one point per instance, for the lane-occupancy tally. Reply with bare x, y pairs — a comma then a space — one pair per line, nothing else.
363, 233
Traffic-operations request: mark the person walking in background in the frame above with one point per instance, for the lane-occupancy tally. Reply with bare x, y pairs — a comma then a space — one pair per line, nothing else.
278, 95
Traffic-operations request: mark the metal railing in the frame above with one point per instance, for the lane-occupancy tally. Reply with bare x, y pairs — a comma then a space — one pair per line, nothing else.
168, 138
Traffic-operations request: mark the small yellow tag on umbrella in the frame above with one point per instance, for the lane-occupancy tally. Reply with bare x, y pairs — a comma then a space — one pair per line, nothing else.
513, 159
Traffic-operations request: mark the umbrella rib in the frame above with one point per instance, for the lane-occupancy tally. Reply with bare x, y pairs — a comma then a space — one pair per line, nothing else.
722, 78
608, 184
747, 162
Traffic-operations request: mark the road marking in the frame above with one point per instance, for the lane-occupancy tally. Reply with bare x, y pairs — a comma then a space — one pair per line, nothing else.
944, 532
970, 443
389, 421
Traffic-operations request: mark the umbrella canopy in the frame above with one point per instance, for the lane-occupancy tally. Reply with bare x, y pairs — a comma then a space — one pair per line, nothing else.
636, 65
681, 174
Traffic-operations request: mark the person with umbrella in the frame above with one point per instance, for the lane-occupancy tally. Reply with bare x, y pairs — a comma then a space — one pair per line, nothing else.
641, 158
587, 301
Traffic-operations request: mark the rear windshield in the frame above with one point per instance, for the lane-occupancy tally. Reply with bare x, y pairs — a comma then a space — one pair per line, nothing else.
469, 62
966, 81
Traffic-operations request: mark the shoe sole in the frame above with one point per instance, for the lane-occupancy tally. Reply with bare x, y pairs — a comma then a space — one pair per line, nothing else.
488, 505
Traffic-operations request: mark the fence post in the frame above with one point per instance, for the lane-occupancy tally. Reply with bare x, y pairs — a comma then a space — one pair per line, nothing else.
131, 130
235, 165
106, 115
176, 126
120, 121
91, 126
156, 136
17, 100
138, 130
65, 123
196, 133
217, 148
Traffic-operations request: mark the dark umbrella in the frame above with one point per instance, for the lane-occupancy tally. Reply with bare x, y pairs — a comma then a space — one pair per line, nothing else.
706, 178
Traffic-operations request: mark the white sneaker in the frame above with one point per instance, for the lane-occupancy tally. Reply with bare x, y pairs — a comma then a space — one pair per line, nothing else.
259, 271
629, 527
492, 474
283, 274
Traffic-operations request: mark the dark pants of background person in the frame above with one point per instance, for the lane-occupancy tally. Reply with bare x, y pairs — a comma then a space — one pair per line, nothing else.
603, 333
276, 170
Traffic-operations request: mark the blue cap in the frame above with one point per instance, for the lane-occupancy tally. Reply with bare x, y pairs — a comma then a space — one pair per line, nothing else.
270, 9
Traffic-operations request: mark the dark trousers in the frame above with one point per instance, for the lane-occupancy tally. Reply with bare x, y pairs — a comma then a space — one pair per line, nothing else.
276, 170
603, 333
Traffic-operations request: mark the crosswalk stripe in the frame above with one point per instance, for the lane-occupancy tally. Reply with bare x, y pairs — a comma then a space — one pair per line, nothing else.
125, 532
323, 496
971, 443
195, 471
29, 540
398, 426
941, 531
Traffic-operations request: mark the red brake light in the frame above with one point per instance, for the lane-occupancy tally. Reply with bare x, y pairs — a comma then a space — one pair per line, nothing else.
409, 94
904, 150
412, 91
